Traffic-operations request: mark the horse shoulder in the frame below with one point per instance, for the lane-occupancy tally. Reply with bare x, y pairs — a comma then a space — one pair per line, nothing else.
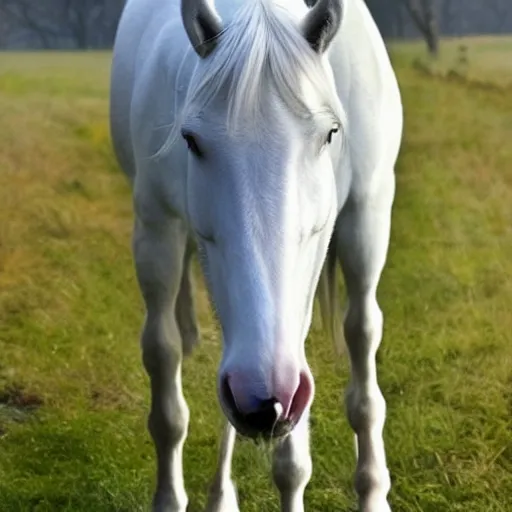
159, 185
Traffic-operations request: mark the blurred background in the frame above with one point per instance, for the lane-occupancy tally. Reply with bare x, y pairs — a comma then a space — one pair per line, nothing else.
73, 392
88, 24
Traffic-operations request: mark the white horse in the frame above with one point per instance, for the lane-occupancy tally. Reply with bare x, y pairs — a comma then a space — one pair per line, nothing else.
266, 133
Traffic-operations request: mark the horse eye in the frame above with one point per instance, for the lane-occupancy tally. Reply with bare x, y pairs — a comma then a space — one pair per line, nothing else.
191, 143
331, 133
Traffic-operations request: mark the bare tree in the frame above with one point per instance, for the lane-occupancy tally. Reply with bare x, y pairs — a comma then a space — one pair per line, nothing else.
32, 16
83, 20
4, 31
63, 23
423, 13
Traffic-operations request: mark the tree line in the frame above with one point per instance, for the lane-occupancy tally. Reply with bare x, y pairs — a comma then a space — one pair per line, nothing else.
83, 24
59, 24
431, 18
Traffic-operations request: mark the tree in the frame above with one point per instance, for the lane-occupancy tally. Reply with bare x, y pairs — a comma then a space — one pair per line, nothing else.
64, 23
82, 19
4, 32
30, 15
424, 15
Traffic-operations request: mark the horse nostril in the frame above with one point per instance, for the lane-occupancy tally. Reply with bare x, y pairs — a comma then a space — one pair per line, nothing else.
263, 418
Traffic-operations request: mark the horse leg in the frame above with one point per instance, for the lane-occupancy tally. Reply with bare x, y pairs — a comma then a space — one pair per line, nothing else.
159, 253
363, 236
222, 496
292, 466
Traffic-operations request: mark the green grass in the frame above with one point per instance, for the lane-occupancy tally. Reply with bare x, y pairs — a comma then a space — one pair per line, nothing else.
487, 57
73, 395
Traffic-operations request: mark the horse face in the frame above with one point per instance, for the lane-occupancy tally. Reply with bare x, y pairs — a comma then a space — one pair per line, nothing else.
262, 199
263, 210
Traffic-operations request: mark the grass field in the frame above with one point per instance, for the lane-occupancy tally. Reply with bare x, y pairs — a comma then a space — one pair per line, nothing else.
73, 395
488, 57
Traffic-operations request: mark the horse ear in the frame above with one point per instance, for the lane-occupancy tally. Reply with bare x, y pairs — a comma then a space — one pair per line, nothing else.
322, 23
202, 24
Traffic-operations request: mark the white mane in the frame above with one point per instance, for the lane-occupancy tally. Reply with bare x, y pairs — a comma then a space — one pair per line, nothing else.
261, 48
